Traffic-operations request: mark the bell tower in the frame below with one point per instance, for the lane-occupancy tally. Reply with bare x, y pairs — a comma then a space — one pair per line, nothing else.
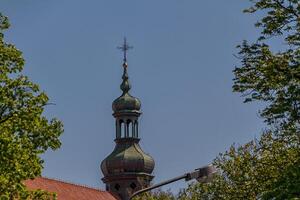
127, 169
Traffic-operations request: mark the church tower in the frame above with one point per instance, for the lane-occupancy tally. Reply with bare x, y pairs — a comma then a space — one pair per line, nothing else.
127, 169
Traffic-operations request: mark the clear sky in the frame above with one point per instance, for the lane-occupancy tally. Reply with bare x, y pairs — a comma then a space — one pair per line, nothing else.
180, 68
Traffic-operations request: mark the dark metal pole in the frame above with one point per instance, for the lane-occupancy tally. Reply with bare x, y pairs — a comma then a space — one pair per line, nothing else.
158, 185
203, 174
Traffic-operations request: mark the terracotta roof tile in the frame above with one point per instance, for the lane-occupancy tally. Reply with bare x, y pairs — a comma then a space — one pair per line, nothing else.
68, 191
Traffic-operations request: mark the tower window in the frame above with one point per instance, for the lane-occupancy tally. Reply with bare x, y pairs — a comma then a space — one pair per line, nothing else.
133, 186
136, 127
123, 129
128, 131
117, 187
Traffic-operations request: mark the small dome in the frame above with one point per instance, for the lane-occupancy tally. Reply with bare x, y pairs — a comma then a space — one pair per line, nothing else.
126, 102
127, 157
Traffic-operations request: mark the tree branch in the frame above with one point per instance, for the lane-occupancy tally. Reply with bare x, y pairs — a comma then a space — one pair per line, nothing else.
285, 8
6, 118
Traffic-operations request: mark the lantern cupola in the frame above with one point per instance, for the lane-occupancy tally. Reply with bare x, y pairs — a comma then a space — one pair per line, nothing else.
128, 168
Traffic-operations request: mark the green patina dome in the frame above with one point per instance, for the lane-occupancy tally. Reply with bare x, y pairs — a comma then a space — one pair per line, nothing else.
126, 102
127, 157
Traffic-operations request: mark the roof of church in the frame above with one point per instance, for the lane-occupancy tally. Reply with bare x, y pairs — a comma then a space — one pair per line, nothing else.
68, 191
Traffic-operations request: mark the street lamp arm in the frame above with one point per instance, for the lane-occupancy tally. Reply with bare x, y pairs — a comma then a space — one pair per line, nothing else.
159, 185
203, 175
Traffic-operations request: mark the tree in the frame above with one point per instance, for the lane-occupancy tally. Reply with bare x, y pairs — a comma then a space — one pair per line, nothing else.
273, 77
257, 170
268, 167
156, 195
24, 132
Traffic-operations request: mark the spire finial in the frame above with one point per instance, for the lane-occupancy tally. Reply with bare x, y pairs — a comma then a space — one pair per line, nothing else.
125, 86
125, 48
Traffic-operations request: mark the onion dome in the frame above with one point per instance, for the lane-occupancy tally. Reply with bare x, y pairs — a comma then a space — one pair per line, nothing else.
128, 168
126, 102
127, 157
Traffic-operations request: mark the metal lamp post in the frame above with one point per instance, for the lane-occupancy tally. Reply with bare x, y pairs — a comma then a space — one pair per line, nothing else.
203, 175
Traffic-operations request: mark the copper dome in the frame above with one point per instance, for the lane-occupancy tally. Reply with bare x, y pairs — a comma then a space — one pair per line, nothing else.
127, 157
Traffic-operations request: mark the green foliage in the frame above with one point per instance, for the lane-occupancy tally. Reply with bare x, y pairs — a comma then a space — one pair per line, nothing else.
269, 167
156, 195
253, 171
273, 77
24, 132
288, 184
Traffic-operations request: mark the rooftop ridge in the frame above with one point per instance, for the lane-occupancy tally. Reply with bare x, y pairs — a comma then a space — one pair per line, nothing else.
71, 183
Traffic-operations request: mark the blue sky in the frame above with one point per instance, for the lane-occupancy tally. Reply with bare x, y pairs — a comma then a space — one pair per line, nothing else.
180, 68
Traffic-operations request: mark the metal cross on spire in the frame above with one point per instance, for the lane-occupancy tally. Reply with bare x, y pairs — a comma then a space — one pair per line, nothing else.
125, 48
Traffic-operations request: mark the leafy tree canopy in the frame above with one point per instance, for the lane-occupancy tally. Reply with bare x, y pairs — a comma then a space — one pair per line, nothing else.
24, 132
156, 195
273, 77
269, 167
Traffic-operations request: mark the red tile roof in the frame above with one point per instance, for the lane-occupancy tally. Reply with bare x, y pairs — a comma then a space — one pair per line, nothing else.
68, 191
